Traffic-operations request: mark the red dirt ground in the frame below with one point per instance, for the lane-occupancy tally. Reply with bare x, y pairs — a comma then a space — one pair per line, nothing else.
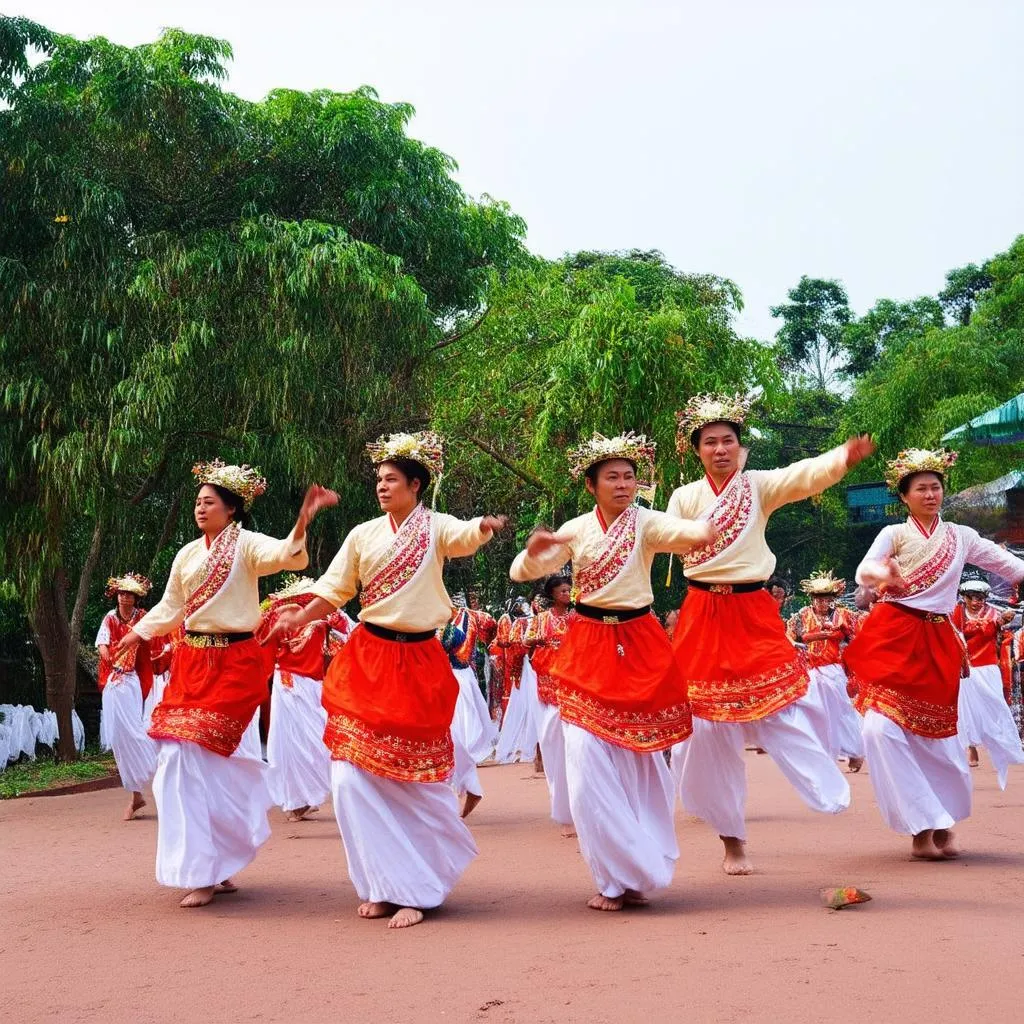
86, 934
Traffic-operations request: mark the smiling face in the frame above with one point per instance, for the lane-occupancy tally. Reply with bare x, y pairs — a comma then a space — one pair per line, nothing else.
560, 595
396, 493
923, 495
211, 512
718, 448
613, 484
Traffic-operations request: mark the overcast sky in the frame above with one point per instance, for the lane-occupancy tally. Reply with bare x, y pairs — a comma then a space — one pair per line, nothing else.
878, 143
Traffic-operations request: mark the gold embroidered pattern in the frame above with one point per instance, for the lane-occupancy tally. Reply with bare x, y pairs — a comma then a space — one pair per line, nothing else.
751, 698
210, 729
389, 756
618, 545
642, 731
404, 556
216, 568
922, 717
547, 689
730, 514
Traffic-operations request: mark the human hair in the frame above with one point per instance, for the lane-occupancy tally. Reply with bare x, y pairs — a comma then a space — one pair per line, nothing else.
235, 504
412, 470
591, 471
552, 583
695, 435
777, 581
904, 485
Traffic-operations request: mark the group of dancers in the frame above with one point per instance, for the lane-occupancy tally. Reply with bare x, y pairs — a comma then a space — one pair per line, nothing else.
616, 693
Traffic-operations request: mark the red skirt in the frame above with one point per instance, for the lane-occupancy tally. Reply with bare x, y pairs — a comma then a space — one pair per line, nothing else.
620, 682
542, 658
734, 654
908, 669
212, 695
390, 706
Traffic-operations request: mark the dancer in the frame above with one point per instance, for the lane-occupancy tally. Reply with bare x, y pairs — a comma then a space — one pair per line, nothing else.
517, 740
211, 797
390, 694
543, 640
125, 681
908, 657
474, 734
299, 772
620, 695
825, 628
984, 718
745, 678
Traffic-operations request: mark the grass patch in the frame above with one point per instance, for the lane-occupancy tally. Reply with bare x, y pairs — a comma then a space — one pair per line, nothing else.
33, 776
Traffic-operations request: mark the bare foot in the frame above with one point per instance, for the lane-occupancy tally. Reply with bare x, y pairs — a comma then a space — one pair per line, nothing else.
134, 807
946, 842
736, 861
923, 846
406, 918
472, 799
568, 832
225, 887
600, 902
972, 757
199, 897
297, 813
370, 909
854, 764
632, 898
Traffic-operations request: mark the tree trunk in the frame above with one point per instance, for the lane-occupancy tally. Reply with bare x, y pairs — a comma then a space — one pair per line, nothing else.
50, 626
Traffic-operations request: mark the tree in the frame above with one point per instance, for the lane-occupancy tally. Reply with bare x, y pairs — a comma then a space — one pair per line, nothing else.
185, 273
887, 324
963, 287
810, 340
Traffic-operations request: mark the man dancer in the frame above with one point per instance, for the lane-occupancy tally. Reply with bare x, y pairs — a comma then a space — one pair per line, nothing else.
620, 695
745, 678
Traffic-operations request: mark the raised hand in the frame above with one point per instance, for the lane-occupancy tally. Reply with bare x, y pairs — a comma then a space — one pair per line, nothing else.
885, 575
542, 541
858, 449
316, 499
494, 523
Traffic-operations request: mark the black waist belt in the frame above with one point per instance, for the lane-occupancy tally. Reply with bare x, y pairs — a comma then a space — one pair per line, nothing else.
611, 616
403, 638
193, 639
727, 588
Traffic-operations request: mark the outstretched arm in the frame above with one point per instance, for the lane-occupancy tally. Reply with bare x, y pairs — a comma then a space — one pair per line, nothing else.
802, 479
545, 552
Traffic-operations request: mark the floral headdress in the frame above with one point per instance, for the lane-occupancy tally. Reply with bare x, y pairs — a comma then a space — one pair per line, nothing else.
822, 584
918, 460
701, 410
245, 481
634, 447
131, 583
424, 447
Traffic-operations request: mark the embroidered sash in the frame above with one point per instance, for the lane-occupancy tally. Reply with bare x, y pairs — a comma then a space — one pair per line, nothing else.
732, 513
126, 660
615, 552
937, 557
404, 558
216, 569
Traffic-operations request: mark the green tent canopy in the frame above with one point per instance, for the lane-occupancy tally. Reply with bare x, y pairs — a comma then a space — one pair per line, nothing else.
1002, 425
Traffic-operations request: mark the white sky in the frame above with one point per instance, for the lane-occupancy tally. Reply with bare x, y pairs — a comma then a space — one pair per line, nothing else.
878, 143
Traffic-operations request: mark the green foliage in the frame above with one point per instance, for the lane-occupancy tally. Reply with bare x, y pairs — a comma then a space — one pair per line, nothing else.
810, 341
963, 287
45, 773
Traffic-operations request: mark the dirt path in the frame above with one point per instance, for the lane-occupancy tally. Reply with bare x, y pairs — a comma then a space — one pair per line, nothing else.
86, 934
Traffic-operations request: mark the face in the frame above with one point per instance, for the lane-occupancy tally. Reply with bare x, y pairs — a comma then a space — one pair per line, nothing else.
974, 602
212, 515
125, 603
395, 491
718, 449
615, 486
779, 595
821, 604
560, 595
474, 601
924, 495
